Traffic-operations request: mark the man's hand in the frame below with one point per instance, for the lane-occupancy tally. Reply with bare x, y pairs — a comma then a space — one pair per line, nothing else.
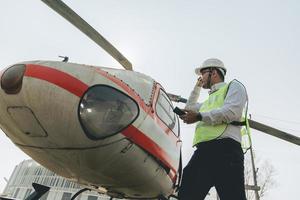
190, 117
199, 82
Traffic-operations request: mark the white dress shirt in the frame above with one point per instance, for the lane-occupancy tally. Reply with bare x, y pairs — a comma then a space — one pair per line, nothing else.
232, 110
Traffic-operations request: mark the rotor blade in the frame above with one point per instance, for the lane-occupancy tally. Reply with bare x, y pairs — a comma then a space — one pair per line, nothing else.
274, 132
66, 12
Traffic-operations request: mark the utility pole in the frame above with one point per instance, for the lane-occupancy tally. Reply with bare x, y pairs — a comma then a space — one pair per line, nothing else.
254, 174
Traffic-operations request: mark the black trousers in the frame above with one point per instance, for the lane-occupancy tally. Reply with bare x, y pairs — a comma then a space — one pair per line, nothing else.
218, 163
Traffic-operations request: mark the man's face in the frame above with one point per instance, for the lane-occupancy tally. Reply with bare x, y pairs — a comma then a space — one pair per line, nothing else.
205, 78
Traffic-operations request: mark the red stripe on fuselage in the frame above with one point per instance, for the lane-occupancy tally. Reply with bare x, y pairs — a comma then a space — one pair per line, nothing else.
57, 77
78, 88
138, 137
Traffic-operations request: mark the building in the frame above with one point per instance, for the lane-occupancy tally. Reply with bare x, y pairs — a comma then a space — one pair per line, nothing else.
19, 185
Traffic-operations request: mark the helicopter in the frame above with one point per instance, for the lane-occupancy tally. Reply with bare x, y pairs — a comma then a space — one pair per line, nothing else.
121, 136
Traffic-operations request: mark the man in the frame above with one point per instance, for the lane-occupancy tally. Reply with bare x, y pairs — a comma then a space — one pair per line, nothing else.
218, 160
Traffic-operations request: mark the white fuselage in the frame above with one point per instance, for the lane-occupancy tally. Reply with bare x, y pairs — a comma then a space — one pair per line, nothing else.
49, 119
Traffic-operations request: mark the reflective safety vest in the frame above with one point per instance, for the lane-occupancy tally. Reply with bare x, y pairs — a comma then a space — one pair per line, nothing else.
205, 132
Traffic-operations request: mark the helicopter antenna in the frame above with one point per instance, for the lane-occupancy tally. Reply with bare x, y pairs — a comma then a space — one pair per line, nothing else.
65, 11
65, 58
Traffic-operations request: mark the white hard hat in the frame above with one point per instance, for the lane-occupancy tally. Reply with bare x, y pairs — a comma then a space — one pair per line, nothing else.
212, 62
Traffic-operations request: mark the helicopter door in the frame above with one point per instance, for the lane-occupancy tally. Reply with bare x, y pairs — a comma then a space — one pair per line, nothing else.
164, 110
169, 123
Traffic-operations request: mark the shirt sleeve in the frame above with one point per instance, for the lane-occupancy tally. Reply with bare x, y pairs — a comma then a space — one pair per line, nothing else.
232, 109
192, 102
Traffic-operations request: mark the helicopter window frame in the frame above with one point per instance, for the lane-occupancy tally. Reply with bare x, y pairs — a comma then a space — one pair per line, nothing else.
174, 126
93, 136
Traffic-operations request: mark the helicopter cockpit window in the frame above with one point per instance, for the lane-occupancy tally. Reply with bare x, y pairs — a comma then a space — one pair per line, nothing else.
164, 110
105, 111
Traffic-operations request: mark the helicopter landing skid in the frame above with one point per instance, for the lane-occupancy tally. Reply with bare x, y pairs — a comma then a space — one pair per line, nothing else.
173, 196
170, 197
79, 192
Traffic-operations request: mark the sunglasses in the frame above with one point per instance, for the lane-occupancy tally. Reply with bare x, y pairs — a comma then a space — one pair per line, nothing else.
204, 71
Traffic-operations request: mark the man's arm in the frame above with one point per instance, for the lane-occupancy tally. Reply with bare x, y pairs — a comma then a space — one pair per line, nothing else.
192, 102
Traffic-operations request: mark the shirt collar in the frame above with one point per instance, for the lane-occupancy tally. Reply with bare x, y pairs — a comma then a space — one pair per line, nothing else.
216, 86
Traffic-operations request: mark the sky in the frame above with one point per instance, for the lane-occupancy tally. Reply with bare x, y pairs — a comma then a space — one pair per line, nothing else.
257, 40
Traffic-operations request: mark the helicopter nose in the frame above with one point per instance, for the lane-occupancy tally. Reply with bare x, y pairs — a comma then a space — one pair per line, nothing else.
12, 78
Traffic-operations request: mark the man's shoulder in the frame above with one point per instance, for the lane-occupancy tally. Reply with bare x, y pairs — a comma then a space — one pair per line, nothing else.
236, 85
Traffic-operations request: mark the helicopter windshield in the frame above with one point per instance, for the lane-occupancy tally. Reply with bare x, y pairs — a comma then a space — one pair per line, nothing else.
105, 111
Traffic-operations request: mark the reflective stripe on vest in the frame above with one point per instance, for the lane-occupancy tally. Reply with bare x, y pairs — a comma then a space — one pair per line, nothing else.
205, 132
